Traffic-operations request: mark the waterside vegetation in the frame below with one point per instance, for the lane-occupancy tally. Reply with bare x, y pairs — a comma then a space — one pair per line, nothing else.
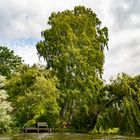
69, 91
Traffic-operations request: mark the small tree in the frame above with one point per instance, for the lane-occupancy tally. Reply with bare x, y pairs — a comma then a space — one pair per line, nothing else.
34, 96
9, 62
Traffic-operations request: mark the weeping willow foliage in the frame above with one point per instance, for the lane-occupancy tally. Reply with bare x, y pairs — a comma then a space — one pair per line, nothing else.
124, 113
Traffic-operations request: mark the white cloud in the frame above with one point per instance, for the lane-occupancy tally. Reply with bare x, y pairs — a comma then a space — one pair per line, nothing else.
27, 18
28, 53
123, 55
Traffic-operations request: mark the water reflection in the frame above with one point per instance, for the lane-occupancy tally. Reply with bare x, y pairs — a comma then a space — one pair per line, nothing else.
67, 136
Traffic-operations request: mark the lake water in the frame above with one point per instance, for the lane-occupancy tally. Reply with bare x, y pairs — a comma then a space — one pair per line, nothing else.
67, 136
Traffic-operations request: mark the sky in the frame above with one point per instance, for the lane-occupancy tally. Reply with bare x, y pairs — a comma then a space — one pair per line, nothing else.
21, 23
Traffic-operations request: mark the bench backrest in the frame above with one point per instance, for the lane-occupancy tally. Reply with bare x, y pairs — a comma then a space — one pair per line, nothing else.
42, 124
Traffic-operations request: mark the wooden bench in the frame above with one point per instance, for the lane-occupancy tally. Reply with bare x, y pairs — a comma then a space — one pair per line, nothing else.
40, 126
43, 126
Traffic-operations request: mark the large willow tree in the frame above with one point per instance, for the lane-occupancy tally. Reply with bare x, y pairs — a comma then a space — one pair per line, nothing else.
73, 48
